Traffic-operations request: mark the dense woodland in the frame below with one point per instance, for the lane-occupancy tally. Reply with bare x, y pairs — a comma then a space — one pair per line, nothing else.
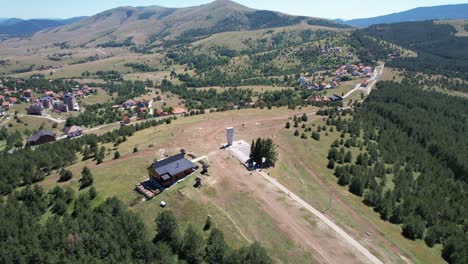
78, 232
412, 165
440, 52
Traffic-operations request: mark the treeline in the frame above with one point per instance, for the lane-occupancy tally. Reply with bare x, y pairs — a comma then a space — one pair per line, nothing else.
111, 75
27, 166
95, 115
206, 99
126, 88
140, 67
242, 98
40, 83
117, 44
410, 137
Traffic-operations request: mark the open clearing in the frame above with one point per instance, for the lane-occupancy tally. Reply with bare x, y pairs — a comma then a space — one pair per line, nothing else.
231, 193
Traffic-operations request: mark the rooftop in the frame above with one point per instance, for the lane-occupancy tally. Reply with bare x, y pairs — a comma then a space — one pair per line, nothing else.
172, 165
39, 134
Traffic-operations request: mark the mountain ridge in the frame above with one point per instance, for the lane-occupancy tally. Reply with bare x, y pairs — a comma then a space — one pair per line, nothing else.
441, 12
144, 25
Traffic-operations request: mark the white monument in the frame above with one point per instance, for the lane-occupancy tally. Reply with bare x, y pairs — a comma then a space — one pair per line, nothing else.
229, 135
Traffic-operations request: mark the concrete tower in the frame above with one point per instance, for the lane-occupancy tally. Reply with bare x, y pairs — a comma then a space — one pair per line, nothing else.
229, 135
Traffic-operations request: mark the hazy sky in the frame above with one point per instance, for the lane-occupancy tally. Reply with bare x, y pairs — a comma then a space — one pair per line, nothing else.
346, 9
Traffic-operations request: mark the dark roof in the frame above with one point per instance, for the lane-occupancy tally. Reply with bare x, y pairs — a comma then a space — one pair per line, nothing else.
336, 98
172, 165
40, 134
45, 99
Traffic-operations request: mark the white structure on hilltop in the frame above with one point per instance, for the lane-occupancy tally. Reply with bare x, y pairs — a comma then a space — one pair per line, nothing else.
229, 135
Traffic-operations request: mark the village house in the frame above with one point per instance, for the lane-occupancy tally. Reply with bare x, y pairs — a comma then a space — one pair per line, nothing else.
6, 105
142, 103
160, 112
78, 94
60, 107
335, 98
13, 100
364, 83
49, 93
178, 111
85, 89
73, 131
142, 109
168, 171
125, 120
41, 137
35, 109
46, 102
27, 93
70, 101
2, 98
128, 104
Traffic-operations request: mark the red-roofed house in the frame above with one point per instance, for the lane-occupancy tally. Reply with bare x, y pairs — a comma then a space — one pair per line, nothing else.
125, 120
49, 93
13, 100
365, 83
160, 112
6, 105
178, 111
79, 94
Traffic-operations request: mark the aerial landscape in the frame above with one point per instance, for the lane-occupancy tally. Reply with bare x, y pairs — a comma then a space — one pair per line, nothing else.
234, 132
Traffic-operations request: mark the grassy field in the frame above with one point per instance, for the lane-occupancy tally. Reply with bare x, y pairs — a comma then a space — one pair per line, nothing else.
458, 25
228, 203
236, 40
31, 123
101, 97
118, 178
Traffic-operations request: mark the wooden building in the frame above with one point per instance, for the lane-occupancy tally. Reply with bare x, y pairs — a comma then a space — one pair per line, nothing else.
41, 137
168, 171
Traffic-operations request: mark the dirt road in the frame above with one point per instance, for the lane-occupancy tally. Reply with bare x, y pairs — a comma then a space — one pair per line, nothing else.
322, 217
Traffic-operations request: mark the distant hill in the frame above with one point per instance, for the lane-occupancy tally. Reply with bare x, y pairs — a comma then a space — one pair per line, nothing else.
125, 26
443, 12
19, 27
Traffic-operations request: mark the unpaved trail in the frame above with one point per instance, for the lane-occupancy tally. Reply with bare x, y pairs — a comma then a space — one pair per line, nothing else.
322, 217
337, 198
307, 231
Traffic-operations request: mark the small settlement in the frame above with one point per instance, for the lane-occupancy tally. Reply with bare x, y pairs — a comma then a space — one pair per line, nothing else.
347, 71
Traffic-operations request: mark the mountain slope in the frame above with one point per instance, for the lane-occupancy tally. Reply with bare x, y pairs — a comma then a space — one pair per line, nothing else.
19, 27
444, 12
145, 25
